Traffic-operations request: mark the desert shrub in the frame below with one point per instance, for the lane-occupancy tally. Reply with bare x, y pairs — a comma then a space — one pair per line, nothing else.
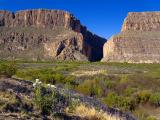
9, 102
45, 75
95, 90
155, 99
141, 114
66, 66
47, 78
8, 69
129, 91
84, 88
51, 77
72, 105
44, 101
151, 118
128, 103
111, 99
71, 80
143, 96
90, 87
50, 101
6, 98
125, 103
124, 79
110, 84
59, 78
28, 74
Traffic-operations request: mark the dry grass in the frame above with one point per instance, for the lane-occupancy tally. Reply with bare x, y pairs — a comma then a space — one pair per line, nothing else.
6, 96
92, 114
88, 73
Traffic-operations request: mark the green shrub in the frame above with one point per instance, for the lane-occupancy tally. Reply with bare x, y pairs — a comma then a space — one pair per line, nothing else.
8, 69
143, 96
151, 118
112, 99
141, 114
47, 78
129, 91
155, 99
72, 105
71, 80
96, 90
124, 79
110, 84
59, 78
44, 101
90, 87
28, 74
125, 103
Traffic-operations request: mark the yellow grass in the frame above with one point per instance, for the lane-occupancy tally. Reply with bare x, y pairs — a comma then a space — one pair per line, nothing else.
92, 114
88, 73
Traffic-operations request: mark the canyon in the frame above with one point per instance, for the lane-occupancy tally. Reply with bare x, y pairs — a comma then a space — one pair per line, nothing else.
44, 35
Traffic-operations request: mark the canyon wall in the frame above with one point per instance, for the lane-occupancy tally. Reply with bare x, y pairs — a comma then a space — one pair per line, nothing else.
138, 41
47, 35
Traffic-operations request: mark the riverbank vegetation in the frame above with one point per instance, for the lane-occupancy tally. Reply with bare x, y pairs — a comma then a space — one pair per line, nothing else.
129, 87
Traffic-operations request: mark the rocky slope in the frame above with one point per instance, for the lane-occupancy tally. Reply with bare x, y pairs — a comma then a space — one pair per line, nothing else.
47, 34
138, 41
22, 92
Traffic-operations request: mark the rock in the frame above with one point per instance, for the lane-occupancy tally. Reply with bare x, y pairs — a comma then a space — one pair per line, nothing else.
6, 18
143, 21
47, 35
138, 41
23, 89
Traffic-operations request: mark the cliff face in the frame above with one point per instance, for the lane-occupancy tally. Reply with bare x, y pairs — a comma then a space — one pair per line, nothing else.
144, 21
46, 34
138, 41
39, 18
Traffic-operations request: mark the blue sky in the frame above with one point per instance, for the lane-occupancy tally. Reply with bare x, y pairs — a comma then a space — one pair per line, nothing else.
102, 17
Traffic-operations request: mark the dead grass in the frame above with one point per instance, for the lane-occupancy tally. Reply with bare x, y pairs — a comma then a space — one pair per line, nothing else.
6, 96
88, 73
92, 114
148, 111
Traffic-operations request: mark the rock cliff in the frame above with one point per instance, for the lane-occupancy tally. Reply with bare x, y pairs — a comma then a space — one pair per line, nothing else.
46, 35
138, 41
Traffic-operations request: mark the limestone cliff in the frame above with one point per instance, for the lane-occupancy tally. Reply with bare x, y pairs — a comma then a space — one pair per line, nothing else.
143, 21
46, 35
138, 41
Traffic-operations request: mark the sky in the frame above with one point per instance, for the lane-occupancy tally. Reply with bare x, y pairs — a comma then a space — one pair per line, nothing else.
102, 17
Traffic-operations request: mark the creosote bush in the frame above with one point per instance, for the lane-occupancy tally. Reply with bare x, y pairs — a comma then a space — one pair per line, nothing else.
143, 96
8, 68
90, 87
45, 75
114, 100
155, 99
151, 118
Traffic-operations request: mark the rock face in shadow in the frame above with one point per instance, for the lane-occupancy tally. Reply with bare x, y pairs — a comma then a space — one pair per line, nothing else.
46, 35
138, 41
